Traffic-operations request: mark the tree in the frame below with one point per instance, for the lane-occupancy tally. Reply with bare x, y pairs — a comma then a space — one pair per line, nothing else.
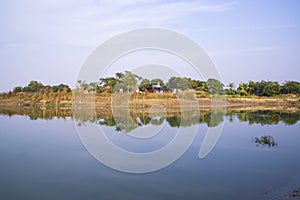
156, 81
65, 87
291, 87
214, 86
127, 82
82, 85
173, 82
145, 85
242, 89
119, 75
108, 83
178, 83
230, 90
194, 84
34, 86
258, 88
26, 89
60, 88
203, 86
271, 89
251, 87
17, 89
55, 88
183, 84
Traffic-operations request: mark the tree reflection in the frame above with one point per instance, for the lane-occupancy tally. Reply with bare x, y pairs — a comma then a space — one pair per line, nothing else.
265, 140
213, 118
175, 117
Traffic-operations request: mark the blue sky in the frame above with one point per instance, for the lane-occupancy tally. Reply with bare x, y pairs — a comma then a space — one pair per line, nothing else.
247, 39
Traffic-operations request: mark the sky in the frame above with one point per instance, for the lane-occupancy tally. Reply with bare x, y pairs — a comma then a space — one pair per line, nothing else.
49, 40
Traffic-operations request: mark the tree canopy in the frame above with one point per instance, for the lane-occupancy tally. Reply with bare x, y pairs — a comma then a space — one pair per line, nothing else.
130, 82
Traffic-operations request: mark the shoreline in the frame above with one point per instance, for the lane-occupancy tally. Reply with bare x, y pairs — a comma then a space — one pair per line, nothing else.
65, 100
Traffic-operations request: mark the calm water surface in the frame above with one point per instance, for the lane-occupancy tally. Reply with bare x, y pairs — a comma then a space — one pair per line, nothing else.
256, 157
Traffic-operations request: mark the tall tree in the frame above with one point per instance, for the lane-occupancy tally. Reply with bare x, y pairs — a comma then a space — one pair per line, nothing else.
291, 87
128, 82
35, 86
145, 85
271, 89
242, 89
214, 86
107, 84
230, 90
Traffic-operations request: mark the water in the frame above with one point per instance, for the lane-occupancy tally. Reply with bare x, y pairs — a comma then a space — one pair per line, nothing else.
256, 157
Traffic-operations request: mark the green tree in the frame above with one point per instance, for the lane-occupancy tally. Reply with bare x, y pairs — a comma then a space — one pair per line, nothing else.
17, 89
108, 84
271, 89
214, 86
55, 88
258, 88
183, 84
230, 90
26, 89
156, 81
63, 87
242, 89
173, 82
251, 87
291, 87
82, 85
145, 85
203, 86
128, 82
194, 84
34, 86
119, 76
178, 83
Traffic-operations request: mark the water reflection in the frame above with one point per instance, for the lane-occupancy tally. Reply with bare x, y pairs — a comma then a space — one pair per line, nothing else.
266, 140
50, 152
144, 117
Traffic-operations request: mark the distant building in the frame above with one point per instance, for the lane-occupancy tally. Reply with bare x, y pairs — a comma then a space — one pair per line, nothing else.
157, 88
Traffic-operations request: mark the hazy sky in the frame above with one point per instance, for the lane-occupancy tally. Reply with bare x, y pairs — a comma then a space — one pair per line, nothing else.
49, 40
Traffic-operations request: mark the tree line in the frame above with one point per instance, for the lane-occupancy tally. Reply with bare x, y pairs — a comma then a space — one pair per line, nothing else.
130, 82
37, 87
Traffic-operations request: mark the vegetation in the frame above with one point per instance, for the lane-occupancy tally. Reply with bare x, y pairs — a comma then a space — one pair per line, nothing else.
129, 82
35, 87
266, 140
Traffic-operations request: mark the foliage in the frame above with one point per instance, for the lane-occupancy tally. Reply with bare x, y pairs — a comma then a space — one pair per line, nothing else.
37, 87
291, 87
214, 86
17, 89
242, 89
230, 90
107, 84
130, 82
127, 82
266, 140
145, 85
271, 89
61, 88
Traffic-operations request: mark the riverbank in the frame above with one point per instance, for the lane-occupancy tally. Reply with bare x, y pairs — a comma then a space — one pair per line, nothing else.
65, 100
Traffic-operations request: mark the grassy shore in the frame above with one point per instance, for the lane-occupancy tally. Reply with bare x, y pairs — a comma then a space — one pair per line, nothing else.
65, 100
